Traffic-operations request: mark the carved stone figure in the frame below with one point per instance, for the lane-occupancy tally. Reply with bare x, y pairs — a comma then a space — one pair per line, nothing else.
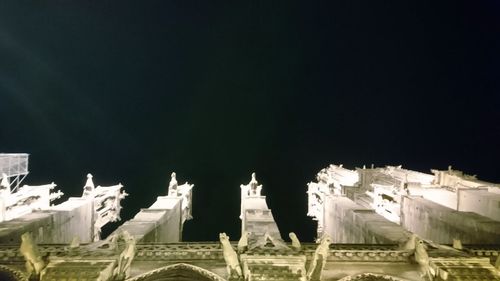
422, 258
230, 256
122, 270
255, 188
172, 186
497, 263
243, 242
295, 241
34, 262
319, 258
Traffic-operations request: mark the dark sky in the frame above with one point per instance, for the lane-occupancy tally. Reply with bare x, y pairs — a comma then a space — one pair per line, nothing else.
133, 90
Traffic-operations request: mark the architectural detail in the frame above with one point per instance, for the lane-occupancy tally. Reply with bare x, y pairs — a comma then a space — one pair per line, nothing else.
243, 242
25, 200
230, 257
374, 224
34, 263
422, 258
372, 277
319, 259
295, 241
13, 169
257, 218
9, 274
457, 244
406, 201
175, 273
122, 270
185, 192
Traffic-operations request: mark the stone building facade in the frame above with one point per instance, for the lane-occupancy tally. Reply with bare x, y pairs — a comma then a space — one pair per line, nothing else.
373, 224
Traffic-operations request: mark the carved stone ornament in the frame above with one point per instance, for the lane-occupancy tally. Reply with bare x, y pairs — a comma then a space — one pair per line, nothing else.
122, 270
34, 262
230, 256
319, 258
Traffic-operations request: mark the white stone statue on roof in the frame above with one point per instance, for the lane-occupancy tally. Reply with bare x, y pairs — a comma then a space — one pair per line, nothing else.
172, 186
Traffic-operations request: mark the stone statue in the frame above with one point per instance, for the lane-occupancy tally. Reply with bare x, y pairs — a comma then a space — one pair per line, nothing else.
319, 258
34, 262
122, 270
172, 186
243, 242
422, 258
295, 242
230, 256
255, 188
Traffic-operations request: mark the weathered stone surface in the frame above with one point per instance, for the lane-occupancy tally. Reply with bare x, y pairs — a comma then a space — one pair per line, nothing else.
441, 224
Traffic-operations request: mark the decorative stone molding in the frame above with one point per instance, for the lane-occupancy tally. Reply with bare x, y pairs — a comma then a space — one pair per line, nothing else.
157, 273
371, 277
12, 273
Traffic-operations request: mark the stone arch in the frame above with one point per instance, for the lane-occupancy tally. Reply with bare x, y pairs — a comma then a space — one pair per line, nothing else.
180, 272
372, 277
9, 274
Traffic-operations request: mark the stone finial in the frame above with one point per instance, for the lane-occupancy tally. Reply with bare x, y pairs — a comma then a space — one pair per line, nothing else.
89, 185
230, 257
172, 186
34, 262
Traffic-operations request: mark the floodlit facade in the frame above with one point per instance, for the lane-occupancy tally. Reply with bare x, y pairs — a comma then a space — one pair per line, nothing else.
373, 224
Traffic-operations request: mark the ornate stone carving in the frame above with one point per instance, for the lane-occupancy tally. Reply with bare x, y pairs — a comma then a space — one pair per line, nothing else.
295, 241
34, 262
172, 186
252, 188
230, 256
122, 270
243, 242
12, 274
422, 258
184, 191
164, 271
319, 259
89, 187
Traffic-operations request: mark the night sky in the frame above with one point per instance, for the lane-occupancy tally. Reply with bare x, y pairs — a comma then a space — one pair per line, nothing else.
133, 90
